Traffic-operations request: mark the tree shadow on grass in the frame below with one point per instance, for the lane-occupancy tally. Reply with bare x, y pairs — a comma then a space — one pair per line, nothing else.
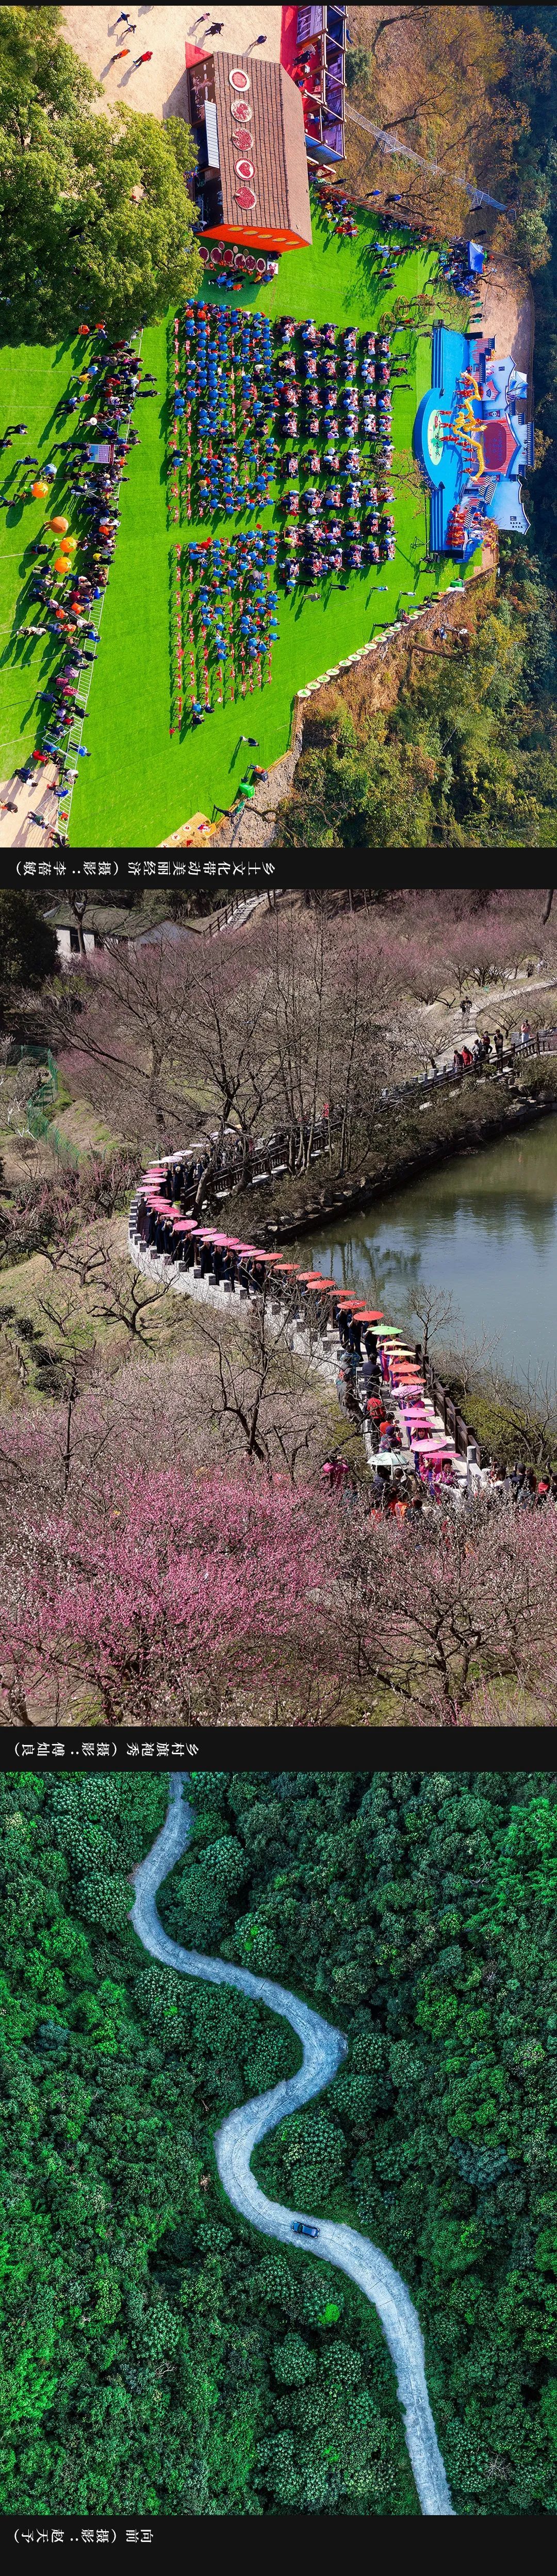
62, 347
55, 421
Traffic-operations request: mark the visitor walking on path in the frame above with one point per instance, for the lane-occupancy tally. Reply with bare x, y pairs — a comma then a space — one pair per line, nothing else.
142, 58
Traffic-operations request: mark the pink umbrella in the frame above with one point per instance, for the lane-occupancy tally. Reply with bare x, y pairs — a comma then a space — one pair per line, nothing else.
435, 1448
255, 1252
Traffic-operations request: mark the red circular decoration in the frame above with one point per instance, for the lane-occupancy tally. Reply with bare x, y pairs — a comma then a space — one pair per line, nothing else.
244, 197
238, 80
244, 169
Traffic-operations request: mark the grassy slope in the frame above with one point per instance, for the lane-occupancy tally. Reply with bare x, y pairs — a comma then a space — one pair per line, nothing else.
140, 784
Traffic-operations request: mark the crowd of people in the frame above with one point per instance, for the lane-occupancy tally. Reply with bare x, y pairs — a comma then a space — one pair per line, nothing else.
335, 400
232, 617
224, 395
381, 1382
63, 599
258, 404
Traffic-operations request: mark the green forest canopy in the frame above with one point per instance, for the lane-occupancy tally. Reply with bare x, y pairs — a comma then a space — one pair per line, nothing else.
158, 2355
74, 244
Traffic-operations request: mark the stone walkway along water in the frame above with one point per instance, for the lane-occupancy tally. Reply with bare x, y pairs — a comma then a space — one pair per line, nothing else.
323, 2050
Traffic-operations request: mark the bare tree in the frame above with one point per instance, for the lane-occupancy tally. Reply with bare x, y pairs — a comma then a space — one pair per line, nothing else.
263, 1397
231, 1054
111, 1291
134, 1026
434, 1308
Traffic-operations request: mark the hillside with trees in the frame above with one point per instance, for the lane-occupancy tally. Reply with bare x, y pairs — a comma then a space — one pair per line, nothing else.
465, 756
145, 1438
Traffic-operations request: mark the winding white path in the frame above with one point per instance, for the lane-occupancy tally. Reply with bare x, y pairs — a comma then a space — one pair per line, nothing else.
322, 2052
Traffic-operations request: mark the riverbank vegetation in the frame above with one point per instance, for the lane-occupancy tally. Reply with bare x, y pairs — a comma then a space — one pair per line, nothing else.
159, 2355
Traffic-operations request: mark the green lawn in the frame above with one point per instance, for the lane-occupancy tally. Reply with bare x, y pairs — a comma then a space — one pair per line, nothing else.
32, 381
140, 784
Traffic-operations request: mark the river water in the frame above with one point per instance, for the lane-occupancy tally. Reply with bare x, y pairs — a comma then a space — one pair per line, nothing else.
483, 1228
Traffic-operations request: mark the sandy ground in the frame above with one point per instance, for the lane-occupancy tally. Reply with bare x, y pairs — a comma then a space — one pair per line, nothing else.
507, 305
18, 831
160, 86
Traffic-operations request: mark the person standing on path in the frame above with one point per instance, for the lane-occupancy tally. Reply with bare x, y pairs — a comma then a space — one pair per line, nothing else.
119, 58
142, 58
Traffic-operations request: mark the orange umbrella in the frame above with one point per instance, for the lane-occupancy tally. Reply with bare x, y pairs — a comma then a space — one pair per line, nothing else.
38, 491
61, 525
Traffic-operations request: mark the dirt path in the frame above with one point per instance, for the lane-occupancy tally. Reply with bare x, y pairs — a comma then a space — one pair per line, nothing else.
37, 796
160, 86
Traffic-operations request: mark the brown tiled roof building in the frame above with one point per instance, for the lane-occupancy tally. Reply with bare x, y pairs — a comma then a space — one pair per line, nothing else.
270, 145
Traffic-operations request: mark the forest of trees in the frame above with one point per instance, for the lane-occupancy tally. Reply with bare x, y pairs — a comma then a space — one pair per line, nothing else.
157, 2355
72, 239
465, 758
472, 90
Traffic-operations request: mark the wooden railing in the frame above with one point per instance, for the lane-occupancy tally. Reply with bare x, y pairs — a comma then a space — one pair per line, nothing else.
267, 1161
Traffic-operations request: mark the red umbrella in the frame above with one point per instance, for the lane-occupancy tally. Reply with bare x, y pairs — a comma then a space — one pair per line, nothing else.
406, 1368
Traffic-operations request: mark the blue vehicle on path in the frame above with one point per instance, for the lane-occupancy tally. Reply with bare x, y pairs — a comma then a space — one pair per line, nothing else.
300, 2228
